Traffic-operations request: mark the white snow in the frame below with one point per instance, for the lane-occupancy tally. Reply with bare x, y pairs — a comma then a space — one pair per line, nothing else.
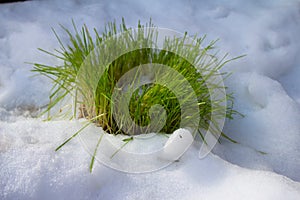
30, 169
177, 144
265, 164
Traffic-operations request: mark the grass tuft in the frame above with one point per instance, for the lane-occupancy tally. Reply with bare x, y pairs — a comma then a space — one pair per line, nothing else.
97, 106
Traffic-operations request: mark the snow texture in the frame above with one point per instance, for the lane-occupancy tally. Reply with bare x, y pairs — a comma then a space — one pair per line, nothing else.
265, 164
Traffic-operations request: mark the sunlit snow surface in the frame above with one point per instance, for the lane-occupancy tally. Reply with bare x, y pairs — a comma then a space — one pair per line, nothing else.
266, 83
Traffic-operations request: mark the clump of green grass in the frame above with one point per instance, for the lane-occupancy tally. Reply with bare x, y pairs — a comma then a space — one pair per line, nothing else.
96, 105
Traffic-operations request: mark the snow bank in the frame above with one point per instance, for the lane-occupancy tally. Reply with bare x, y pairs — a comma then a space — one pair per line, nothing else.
271, 126
30, 169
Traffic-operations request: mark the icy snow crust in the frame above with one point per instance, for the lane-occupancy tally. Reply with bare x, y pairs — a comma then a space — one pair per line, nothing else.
264, 165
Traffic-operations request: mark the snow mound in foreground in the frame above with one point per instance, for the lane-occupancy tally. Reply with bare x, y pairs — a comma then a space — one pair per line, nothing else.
30, 169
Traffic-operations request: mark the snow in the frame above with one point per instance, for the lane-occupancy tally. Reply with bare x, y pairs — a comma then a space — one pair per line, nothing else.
265, 164
177, 144
30, 169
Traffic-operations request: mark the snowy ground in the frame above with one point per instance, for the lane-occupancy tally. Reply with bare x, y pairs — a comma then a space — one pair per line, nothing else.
266, 84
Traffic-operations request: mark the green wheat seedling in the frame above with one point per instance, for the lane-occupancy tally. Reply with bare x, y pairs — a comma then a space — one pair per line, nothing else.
96, 105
